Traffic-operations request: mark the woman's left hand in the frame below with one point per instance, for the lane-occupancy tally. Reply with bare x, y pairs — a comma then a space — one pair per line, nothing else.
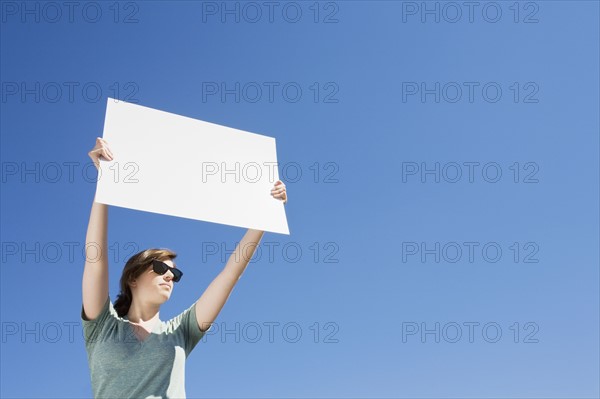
279, 192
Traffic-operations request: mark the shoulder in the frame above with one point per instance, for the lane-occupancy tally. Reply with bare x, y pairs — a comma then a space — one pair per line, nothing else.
182, 318
108, 312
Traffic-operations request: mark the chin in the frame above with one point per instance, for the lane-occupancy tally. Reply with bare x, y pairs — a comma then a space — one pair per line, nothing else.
160, 299
165, 296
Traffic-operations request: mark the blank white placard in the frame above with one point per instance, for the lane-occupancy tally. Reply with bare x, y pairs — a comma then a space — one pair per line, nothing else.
175, 165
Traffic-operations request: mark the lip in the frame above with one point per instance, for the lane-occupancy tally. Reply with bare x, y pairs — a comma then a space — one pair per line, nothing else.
166, 285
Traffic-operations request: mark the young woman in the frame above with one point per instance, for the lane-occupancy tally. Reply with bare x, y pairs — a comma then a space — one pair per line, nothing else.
131, 352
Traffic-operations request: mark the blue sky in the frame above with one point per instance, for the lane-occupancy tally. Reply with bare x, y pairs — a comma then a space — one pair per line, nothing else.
499, 102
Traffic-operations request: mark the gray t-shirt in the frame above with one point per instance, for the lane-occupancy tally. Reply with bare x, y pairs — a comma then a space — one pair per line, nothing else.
123, 366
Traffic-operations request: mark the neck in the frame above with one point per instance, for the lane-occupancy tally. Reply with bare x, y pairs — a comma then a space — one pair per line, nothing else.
143, 312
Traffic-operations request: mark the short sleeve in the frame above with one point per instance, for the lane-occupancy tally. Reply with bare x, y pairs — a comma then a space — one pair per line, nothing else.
92, 328
191, 330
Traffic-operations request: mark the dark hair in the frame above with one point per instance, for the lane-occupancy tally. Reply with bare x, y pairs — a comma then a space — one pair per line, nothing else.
135, 266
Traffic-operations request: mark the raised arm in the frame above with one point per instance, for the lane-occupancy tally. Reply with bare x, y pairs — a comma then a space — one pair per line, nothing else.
214, 297
95, 272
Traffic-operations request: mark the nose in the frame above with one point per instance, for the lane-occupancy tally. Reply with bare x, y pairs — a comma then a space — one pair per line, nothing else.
169, 275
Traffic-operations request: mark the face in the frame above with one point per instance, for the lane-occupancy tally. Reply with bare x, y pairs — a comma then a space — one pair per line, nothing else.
153, 288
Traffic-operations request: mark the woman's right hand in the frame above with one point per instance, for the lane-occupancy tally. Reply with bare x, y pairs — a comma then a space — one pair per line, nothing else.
100, 150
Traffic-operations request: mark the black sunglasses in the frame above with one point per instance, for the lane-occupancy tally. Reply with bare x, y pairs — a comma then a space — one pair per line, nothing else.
161, 268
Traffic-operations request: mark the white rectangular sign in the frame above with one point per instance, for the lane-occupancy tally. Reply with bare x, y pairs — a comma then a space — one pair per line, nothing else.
174, 165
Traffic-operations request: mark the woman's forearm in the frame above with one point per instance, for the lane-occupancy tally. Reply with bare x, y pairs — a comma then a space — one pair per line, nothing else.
244, 251
96, 238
